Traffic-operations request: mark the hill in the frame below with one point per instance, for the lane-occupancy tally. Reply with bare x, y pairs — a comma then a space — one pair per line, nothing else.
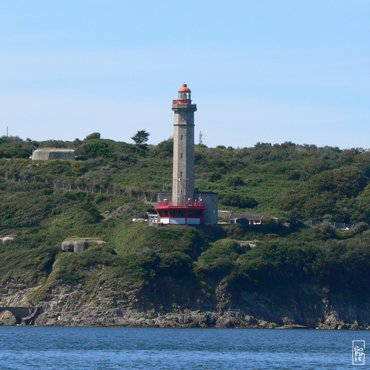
283, 272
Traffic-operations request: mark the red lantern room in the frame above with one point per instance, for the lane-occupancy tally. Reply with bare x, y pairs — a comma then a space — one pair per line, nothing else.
184, 96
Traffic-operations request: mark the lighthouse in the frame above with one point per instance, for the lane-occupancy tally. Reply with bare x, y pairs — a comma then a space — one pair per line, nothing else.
185, 206
183, 147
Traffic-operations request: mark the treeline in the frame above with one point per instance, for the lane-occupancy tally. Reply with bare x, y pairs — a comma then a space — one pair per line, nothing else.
292, 182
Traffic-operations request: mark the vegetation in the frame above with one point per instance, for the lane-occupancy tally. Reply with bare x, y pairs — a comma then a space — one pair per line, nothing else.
45, 202
141, 138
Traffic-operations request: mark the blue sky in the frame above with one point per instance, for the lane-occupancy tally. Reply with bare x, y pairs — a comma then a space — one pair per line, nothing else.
260, 71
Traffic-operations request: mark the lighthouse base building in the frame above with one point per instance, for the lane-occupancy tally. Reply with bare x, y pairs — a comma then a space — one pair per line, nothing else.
184, 205
203, 210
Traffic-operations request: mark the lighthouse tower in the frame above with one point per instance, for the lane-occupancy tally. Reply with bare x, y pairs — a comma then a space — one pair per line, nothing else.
183, 147
182, 207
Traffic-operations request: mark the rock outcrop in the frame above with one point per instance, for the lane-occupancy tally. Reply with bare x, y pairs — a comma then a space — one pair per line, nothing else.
78, 305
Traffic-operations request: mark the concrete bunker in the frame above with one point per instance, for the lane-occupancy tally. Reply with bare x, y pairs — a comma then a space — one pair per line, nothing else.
79, 245
47, 154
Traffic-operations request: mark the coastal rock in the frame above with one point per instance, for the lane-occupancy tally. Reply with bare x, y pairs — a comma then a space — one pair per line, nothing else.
105, 305
226, 322
7, 318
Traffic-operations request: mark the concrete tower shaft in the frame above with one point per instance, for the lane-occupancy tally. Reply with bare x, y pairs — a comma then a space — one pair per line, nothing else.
183, 147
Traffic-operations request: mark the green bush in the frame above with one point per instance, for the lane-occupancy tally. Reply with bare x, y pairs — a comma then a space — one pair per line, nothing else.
237, 200
218, 260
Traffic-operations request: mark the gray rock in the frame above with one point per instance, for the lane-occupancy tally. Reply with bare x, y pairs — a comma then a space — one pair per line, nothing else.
7, 319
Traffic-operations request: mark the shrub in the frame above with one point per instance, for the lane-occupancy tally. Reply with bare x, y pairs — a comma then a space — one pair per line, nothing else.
235, 181
237, 200
218, 260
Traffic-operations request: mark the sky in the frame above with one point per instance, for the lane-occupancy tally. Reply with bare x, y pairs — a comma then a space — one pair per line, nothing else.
260, 71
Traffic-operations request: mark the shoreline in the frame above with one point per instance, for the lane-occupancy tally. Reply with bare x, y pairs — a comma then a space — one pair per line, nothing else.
187, 319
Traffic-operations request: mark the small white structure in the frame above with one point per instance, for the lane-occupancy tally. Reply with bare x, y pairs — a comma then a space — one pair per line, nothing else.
153, 218
46, 154
6, 239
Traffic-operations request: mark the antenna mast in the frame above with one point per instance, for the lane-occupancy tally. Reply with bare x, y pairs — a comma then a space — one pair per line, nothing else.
200, 138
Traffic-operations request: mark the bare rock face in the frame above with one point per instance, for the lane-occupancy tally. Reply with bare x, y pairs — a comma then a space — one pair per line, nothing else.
7, 318
79, 245
74, 305
109, 304
225, 322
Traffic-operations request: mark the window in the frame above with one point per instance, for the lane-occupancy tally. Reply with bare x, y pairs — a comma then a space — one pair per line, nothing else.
181, 155
193, 213
178, 213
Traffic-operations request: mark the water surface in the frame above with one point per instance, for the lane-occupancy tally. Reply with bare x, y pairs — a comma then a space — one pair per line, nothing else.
154, 348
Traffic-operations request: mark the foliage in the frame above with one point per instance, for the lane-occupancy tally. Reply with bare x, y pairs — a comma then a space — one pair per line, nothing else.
14, 147
27, 265
295, 182
141, 138
184, 265
239, 201
94, 135
164, 149
220, 259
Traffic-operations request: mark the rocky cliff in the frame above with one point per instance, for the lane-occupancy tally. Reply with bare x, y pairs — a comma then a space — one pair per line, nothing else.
79, 305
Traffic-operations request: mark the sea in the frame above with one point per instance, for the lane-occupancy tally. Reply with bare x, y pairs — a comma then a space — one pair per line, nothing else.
156, 348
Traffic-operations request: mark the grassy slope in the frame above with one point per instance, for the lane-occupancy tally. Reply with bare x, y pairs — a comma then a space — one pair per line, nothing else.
186, 264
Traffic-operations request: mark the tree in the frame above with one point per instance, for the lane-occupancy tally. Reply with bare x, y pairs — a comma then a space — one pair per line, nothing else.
94, 135
165, 149
140, 139
95, 149
235, 181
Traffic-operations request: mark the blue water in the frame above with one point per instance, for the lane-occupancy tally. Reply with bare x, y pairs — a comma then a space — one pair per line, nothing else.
143, 348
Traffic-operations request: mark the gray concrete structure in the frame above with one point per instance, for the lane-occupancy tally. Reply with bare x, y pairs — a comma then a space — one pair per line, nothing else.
183, 147
45, 154
79, 245
210, 215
